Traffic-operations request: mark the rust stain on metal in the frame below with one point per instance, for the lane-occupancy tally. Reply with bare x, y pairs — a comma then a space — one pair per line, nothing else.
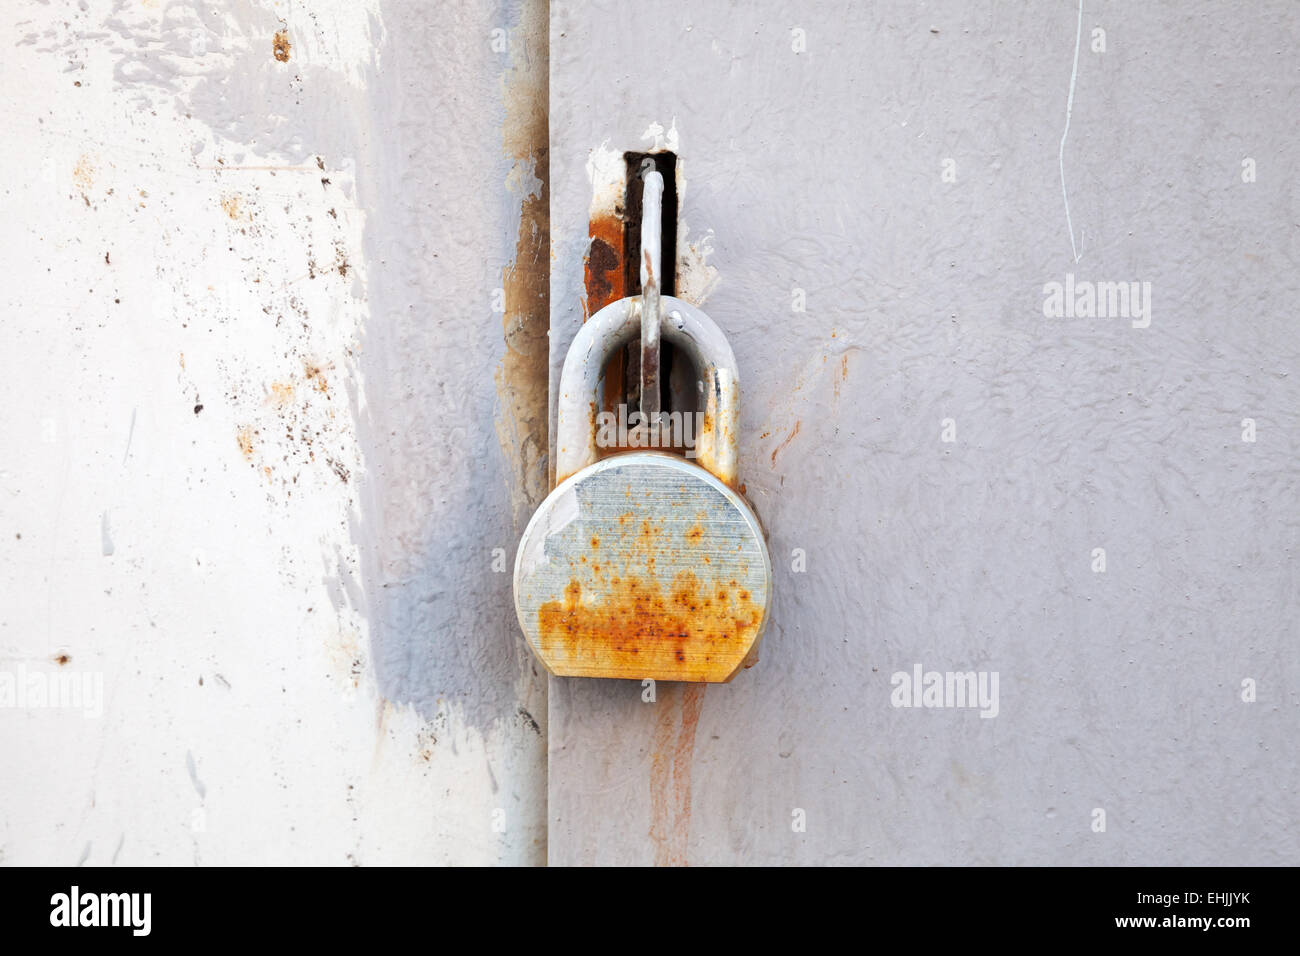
673, 752
281, 394
280, 46
232, 205
633, 625
603, 269
523, 377
788, 438
605, 282
316, 375
245, 439
83, 174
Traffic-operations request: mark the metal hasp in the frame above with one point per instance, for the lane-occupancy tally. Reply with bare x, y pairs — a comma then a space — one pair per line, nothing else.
652, 200
645, 564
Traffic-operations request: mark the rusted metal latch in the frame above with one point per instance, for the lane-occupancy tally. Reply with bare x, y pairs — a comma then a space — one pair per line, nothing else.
644, 564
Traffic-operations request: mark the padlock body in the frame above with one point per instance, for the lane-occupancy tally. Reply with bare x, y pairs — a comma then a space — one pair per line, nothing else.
644, 565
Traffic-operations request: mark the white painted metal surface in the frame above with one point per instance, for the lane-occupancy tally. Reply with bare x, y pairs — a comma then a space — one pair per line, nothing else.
251, 487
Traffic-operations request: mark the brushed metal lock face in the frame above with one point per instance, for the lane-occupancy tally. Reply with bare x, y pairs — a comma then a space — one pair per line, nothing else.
644, 564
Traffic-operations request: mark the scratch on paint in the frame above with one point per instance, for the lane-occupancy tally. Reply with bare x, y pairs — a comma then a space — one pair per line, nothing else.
105, 535
201, 790
130, 433
1069, 108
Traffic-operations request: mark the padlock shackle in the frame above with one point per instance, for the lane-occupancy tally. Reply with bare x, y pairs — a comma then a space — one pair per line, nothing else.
612, 328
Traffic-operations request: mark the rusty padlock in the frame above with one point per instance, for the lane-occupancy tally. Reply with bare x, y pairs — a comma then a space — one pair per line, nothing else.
644, 564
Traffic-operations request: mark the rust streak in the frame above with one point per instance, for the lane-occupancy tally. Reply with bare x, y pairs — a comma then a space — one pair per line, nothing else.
788, 438
670, 772
523, 377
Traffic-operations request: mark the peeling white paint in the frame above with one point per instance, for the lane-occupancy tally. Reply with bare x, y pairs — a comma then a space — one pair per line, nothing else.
607, 174
661, 139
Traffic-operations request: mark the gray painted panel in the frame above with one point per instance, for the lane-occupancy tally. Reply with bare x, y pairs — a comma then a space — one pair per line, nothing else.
823, 171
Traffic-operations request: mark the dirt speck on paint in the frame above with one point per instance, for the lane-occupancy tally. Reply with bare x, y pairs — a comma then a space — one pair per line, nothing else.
530, 721
673, 752
316, 375
339, 469
281, 46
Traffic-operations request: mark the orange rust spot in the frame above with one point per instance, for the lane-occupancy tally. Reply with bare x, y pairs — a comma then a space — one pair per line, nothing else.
595, 542
281, 394
245, 439
281, 46
62, 659
83, 174
231, 204
694, 534
632, 627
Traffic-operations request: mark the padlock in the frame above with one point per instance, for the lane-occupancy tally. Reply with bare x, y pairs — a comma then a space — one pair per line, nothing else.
644, 564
